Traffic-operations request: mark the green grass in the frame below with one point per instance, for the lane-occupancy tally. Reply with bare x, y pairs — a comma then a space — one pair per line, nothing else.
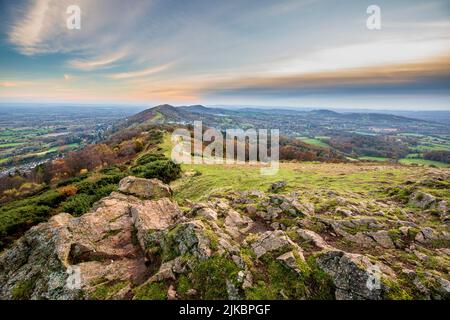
159, 117
305, 176
56, 149
4, 160
314, 142
373, 158
431, 147
12, 144
424, 162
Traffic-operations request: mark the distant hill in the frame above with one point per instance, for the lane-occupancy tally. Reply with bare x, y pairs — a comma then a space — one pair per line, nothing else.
278, 118
350, 134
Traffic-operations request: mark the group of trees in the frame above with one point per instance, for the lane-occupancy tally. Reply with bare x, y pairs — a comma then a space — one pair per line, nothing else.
375, 146
295, 149
438, 155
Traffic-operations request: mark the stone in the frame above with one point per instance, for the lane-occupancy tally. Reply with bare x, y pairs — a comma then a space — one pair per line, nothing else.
343, 211
144, 188
250, 209
313, 237
422, 200
404, 230
444, 287
165, 272
233, 292
383, 239
426, 235
153, 215
191, 238
442, 207
270, 214
277, 186
171, 293
270, 241
245, 278
191, 292
237, 225
355, 277
421, 256
303, 208
290, 261
207, 213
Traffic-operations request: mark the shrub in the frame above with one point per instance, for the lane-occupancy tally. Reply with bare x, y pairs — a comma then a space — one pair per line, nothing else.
78, 204
82, 202
69, 181
164, 170
151, 157
14, 219
50, 198
68, 191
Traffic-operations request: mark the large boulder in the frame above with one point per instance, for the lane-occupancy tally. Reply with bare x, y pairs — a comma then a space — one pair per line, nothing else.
354, 275
92, 256
153, 215
422, 200
144, 188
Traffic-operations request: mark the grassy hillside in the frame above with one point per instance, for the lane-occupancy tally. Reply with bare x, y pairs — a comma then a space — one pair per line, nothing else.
354, 180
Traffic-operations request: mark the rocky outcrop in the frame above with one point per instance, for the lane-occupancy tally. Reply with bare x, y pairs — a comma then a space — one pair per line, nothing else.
139, 244
422, 200
274, 241
144, 188
354, 275
77, 257
149, 216
312, 236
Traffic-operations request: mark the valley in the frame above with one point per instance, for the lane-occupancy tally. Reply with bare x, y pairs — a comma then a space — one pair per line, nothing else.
31, 135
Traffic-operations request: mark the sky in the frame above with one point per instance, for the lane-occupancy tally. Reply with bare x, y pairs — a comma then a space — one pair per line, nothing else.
299, 53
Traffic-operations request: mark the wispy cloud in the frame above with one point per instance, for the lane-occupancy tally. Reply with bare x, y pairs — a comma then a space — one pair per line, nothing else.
141, 73
99, 62
425, 76
27, 33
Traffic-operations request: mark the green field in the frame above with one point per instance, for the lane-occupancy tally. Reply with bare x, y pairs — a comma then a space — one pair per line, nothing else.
314, 141
56, 149
12, 144
367, 158
431, 147
424, 162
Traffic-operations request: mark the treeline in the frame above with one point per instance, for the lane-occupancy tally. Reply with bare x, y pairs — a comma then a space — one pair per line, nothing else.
438, 155
374, 146
295, 149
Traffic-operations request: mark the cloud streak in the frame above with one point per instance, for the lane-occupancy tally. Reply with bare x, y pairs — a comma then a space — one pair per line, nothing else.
429, 76
140, 73
99, 62
27, 33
